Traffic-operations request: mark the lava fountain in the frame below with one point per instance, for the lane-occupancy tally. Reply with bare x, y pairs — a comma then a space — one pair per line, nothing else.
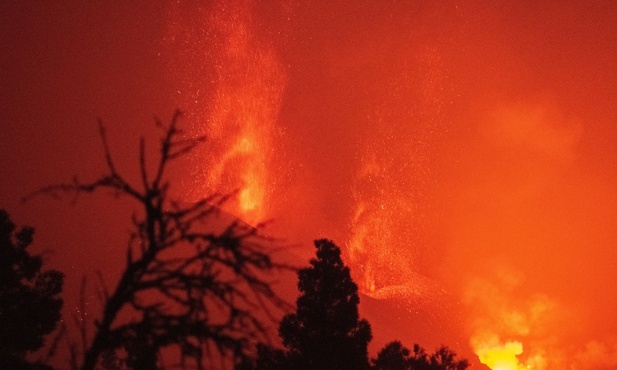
237, 102
374, 103
387, 246
236, 107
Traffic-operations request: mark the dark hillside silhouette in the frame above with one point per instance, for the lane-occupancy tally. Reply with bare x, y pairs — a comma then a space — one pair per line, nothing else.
30, 300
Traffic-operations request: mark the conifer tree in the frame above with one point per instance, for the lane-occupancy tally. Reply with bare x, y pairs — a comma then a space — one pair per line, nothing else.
325, 332
29, 298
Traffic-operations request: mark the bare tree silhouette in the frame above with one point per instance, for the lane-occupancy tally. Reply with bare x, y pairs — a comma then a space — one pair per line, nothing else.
185, 284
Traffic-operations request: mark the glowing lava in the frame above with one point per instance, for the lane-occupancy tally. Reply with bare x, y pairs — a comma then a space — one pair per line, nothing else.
497, 355
238, 113
504, 322
418, 141
244, 112
374, 248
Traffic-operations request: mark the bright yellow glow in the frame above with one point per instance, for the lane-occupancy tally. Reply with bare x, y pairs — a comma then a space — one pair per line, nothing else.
501, 356
252, 194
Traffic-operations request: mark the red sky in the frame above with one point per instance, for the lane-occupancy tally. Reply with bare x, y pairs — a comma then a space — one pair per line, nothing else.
468, 143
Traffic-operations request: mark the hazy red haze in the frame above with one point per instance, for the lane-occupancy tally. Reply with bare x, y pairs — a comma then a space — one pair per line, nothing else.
463, 153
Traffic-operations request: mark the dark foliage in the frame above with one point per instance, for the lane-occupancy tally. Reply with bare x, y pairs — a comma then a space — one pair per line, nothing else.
445, 359
270, 359
29, 298
186, 283
394, 356
325, 333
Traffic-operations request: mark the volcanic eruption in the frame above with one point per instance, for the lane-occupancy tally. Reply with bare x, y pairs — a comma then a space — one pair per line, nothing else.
367, 124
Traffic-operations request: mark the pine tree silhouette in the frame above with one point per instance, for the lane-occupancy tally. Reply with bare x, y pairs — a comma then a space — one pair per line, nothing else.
325, 332
29, 298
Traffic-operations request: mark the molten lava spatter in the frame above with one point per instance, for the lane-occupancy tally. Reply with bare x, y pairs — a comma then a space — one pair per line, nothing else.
378, 232
427, 139
387, 244
244, 112
238, 112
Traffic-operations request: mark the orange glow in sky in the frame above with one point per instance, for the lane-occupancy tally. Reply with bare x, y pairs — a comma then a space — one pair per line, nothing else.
461, 153
446, 148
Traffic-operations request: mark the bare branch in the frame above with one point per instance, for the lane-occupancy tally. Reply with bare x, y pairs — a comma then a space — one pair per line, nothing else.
104, 293
180, 273
142, 163
165, 147
81, 319
108, 159
60, 334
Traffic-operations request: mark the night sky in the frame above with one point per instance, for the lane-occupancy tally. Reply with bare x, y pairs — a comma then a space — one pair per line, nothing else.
458, 151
